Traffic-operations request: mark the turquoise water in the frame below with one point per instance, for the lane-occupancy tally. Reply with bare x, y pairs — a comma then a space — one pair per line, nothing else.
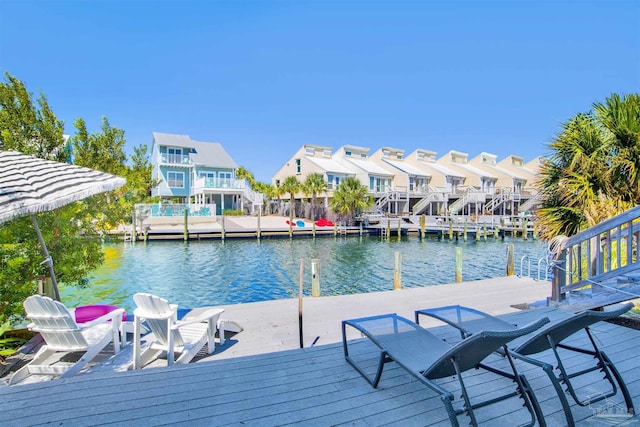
201, 273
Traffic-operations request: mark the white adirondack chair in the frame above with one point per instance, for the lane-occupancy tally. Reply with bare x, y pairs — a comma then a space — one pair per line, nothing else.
169, 335
61, 334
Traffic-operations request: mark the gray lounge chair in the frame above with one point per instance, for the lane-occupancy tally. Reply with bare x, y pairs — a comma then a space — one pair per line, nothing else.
470, 321
429, 358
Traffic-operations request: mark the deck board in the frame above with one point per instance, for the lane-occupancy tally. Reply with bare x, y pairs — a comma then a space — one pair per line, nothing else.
312, 386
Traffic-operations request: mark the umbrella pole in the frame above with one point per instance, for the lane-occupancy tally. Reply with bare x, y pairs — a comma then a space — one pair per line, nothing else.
48, 260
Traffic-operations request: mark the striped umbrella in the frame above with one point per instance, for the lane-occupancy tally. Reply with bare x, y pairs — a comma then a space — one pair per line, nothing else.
29, 185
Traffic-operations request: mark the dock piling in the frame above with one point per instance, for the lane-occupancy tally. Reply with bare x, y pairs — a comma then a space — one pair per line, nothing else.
458, 264
510, 261
300, 286
186, 224
315, 277
397, 273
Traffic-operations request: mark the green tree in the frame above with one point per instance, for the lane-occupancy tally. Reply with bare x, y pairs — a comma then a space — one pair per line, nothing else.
351, 197
291, 185
314, 184
592, 172
139, 181
104, 151
69, 232
26, 127
243, 173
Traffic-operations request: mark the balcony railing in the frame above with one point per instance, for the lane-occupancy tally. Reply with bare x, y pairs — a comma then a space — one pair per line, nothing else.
175, 159
204, 183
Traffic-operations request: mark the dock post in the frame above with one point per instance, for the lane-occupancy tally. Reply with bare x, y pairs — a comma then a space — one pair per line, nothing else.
459, 264
300, 282
495, 232
399, 228
222, 233
313, 229
484, 231
450, 229
335, 229
397, 273
186, 224
315, 277
146, 233
510, 261
525, 233
290, 223
258, 232
423, 223
464, 231
388, 228
134, 230
361, 229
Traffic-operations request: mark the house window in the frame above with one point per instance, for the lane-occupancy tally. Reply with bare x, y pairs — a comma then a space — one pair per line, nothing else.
175, 179
364, 156
298, 166
399, 156
347, 153
224, 179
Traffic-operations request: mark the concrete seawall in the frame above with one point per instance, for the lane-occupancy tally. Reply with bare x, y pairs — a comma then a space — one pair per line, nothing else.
273, 325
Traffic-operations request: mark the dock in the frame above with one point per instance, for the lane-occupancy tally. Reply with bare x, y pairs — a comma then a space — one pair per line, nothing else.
274, 226
261, 377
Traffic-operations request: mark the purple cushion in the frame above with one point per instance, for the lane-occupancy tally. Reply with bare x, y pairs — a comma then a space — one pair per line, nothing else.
88, 313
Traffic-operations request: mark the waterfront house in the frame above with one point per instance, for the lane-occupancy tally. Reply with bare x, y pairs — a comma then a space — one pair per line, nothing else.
377, 179
419, 183
201, 173
410, 184
313, 159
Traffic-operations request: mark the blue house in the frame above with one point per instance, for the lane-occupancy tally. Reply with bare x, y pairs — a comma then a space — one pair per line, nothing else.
200, 173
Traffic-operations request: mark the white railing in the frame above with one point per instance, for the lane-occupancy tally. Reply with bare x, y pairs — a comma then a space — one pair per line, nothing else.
599, 253
175, 159
145, 210
205, 183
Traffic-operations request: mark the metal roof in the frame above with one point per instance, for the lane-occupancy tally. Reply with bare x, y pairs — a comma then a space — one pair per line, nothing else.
369, 167
406, 168
209, 154
330, 165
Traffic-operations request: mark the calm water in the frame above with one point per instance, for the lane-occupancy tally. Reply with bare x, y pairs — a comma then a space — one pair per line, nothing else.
204, 273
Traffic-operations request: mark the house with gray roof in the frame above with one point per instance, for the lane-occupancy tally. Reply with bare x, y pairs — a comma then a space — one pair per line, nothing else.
196, 172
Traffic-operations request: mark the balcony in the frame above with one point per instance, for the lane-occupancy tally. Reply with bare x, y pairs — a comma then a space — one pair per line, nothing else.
203, 184
175, 159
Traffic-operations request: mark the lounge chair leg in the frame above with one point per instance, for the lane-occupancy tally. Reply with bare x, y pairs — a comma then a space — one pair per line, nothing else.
465, 395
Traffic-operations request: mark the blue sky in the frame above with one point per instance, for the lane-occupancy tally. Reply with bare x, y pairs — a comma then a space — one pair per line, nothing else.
264, 77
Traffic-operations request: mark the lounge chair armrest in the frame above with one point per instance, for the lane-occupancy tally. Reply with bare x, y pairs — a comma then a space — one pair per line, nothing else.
114, 316
202, 317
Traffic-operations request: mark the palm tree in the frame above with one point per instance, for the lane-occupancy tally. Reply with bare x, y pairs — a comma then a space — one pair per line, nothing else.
594, 170
350, 197
314, 184
243, 173
291, 185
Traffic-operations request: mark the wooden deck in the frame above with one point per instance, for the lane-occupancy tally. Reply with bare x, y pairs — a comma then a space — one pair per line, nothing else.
312, 386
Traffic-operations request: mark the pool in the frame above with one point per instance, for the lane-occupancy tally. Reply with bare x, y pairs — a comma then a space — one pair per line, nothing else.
213, 272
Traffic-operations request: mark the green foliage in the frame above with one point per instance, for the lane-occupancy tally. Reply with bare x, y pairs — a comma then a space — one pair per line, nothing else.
291, 185
313, 184
8, 344
351, 197
26, 127
233, 212
593, 172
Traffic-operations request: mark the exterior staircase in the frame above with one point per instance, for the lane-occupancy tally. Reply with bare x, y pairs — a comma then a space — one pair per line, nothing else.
466, 199
499, 199
600, 265
530, 203
423, 204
